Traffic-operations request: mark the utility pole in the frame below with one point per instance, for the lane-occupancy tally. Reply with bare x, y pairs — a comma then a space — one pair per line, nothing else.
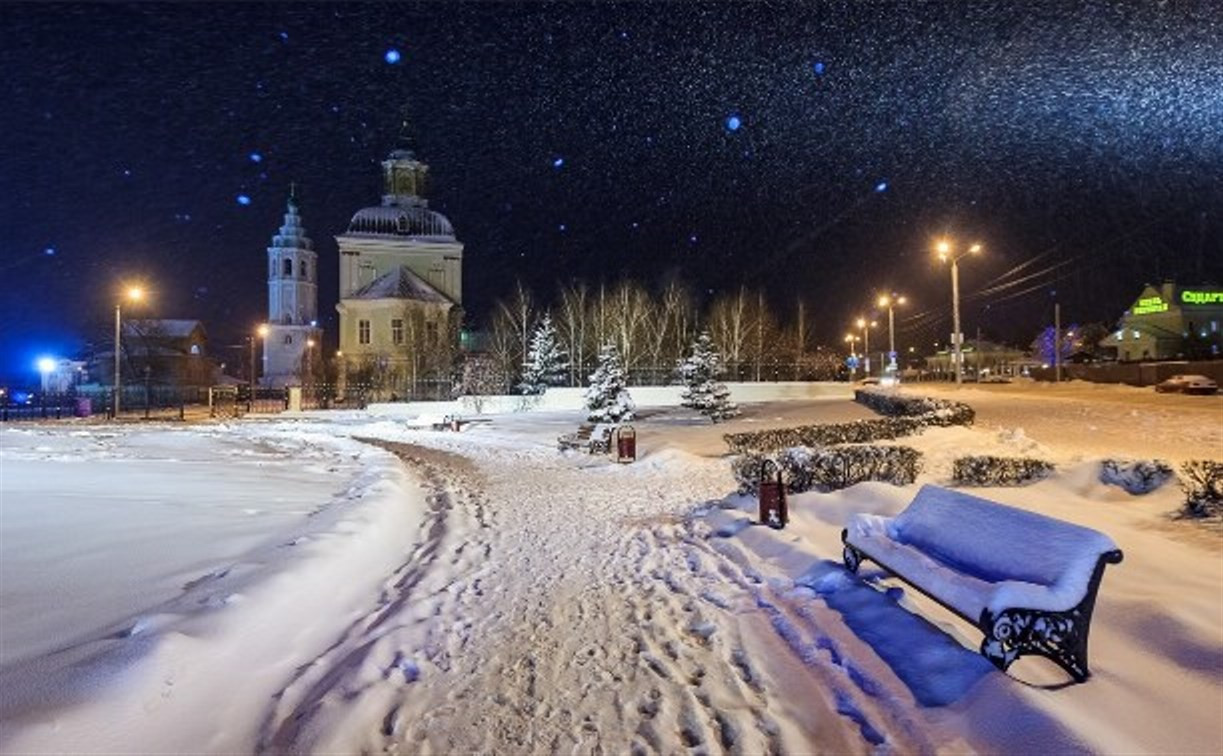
1057, 342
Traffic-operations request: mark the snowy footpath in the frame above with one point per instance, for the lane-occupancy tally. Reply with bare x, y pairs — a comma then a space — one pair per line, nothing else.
341, 583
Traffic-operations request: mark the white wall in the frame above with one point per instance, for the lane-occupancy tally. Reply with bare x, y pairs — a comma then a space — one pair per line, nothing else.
559, 399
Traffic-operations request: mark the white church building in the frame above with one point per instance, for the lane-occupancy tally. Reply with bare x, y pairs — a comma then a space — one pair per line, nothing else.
401, 285
293, 337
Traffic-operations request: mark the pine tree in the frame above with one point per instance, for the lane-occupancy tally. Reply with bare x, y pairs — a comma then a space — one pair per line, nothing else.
546, 362
607, 399
703, 391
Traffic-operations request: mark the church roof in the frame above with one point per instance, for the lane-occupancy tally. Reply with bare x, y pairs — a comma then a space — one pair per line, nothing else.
400, 283
411, 220
161, 328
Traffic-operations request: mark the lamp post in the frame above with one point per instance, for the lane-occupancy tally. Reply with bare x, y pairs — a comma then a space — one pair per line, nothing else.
890, 301
261, 332
850, 338
309, 359
946, 253
865, 324
133, 294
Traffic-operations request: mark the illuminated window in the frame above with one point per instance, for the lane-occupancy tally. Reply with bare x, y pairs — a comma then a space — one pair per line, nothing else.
362, 331
1136, 334
195, 348
396, 331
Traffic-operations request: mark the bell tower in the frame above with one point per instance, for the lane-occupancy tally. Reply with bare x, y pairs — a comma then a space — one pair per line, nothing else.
294, 339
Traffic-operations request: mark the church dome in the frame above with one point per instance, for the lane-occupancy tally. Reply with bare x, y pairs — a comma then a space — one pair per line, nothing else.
402, 220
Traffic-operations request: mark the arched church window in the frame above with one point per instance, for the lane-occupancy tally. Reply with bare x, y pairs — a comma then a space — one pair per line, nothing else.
288, 267
301, 269
288, 339
195, 348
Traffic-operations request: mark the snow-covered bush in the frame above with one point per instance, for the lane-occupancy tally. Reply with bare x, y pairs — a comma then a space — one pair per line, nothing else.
546, 362
933, 411
607, 398
904, 416
827, 434
1135, 476
703, 391
987, 470
1202, 482
804, 469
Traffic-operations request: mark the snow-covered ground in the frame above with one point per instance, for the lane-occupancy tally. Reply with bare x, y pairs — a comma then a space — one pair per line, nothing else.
282, 584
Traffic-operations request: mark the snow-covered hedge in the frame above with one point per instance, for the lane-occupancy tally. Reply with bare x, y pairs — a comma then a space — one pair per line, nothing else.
904, 416
804, 469
1139, 476
986, 470
1202, 482
932, 411
827, 434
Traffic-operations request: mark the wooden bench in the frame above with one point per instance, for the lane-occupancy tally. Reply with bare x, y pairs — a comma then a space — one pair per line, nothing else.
591, 438
1029, 582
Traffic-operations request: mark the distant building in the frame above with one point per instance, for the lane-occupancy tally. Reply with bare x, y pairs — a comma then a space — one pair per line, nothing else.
401, 287
61, 376
980, 356
1170, 322
290, 347
165, 351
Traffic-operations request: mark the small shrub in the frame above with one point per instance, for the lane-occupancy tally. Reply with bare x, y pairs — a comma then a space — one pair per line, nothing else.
932, 411
804, 469
1202, 482
988, 470
1135, 476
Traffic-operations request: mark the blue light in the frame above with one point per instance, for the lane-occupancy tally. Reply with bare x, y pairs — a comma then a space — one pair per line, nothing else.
733, 123
819, 68
256, 157
392, 56
284, 36
558, 162
562, 227
243, 199
45, 365
692, 238
882, 186
49, 251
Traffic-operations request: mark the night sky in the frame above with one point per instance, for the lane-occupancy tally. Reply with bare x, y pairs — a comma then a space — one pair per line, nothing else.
812, 149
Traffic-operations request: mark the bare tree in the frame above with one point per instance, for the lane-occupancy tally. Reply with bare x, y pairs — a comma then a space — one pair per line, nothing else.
520, 310
632, 312
572, 325
728, 325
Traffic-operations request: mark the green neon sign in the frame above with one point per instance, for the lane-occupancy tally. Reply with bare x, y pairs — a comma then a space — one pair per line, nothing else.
1148, 305
1202, 297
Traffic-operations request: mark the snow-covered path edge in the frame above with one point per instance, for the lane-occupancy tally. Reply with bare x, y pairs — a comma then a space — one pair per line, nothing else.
196, 674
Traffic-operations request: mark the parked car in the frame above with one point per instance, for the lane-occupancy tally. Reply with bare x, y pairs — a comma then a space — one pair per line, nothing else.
1187, 384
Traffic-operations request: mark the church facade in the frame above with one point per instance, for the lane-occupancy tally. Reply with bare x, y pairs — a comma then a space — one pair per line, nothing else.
290, 348
401, 287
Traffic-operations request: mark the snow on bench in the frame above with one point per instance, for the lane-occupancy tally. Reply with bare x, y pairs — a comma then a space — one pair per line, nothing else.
593, 438
1029, 582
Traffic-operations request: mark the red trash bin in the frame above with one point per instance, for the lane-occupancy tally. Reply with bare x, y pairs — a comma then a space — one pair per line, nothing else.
772, 496
626, 444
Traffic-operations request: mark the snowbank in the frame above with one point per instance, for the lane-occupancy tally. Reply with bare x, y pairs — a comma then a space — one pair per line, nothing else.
146, 571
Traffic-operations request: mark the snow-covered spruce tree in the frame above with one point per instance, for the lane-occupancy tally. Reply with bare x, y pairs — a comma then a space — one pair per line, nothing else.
546, 362
703, 391
607, 399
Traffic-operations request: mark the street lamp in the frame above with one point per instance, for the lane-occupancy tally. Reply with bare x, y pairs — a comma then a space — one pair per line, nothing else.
850, 338
890, 301
309, 359
132, 294
864, 324
262, 332
946, 253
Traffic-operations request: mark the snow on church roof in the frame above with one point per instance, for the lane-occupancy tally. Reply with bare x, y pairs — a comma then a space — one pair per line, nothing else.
400, 283
402, 220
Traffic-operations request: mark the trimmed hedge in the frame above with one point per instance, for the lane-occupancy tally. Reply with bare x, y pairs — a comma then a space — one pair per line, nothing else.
1135, 476
904, 416
939, 412
987, 470
1202, 482
804, 469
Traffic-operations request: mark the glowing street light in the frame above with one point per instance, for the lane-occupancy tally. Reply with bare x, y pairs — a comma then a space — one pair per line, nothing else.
309, 359
261, 332
864, 324
947, 253
132, 294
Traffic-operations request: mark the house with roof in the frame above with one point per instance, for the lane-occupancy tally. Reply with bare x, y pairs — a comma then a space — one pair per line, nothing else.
1170, 321
401, 287
168, 351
